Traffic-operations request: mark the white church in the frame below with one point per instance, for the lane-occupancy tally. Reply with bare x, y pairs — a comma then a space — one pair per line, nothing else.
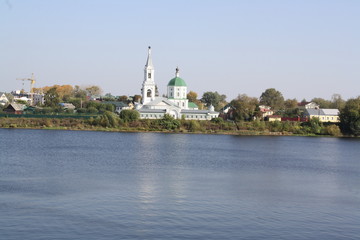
175, 104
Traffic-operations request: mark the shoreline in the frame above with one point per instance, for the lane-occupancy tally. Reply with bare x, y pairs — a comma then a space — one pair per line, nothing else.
233, 133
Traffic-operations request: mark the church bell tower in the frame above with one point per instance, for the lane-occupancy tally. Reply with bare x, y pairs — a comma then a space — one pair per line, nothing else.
148, 86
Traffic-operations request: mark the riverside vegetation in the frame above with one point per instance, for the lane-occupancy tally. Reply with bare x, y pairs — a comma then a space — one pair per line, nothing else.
100, 115
128, 120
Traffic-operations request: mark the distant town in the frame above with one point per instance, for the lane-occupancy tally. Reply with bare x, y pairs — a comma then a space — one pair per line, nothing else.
337, 115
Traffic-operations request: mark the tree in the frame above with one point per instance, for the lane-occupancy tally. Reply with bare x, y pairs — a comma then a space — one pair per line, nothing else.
290, 103
337, 102
52, 98
244, 107
129, 115
215, 99
192, 96
273, 98
322, 102
137, 98
93, 90
350, 117
123, 98
79, 92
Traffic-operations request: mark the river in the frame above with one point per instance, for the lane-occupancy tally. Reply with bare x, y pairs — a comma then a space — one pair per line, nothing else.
106, 185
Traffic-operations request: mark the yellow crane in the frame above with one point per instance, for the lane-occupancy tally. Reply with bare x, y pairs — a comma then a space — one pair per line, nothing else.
32, 82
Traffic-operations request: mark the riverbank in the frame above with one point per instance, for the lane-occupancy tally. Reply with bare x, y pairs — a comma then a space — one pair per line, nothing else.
255, 128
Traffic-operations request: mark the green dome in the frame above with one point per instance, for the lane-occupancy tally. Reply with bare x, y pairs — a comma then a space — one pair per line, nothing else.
178, 82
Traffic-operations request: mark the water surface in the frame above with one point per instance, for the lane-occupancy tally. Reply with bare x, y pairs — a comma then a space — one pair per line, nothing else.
100, 185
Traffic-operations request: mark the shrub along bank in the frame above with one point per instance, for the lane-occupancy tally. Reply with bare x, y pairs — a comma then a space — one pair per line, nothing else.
130, 122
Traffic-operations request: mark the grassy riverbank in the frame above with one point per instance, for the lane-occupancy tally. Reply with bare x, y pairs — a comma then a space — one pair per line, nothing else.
169, 125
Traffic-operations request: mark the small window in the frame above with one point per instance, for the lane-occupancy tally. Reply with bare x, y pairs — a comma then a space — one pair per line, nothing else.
149, 75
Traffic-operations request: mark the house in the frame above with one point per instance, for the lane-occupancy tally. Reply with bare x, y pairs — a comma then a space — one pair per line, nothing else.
324, 115
15, 108
3, 99
307, 105
265, 111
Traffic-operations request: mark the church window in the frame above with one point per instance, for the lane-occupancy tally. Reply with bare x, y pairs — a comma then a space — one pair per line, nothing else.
183, 104
149, 75
148, 93
178, 94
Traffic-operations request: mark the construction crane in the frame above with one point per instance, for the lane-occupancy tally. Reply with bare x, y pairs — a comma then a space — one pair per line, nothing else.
32, 82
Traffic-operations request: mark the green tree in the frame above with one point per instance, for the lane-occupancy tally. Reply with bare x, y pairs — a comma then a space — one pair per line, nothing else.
79, 93
129, 115
93, 91
245, 107
273, 98
337, 102
322, 102
350, 117
291, 103
169, 123
215, 99
51, 98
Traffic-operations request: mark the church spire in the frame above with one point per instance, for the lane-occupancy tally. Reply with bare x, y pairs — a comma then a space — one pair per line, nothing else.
177, 72
149, 60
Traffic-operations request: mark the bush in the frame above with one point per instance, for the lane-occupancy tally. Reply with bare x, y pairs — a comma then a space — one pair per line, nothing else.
333, 130
168, 122
129, 115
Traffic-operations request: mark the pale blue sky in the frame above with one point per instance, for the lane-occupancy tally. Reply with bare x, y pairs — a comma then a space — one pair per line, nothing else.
304, 49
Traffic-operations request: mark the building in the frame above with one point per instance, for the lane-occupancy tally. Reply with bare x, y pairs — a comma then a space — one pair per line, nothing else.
307, 105
175, 104
30, 98
265, 111
324, 115
3, 99
15, 108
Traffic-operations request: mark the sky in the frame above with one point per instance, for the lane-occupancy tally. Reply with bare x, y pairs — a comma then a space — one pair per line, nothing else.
304, 49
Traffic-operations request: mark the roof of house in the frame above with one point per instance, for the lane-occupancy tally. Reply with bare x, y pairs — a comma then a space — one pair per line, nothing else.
331, 112
145, 110
197, 111
117, 104
17, 106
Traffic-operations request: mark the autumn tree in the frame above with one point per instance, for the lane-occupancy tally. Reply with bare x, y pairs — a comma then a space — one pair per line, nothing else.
273, 98
123, 98
192, 96
137, 98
